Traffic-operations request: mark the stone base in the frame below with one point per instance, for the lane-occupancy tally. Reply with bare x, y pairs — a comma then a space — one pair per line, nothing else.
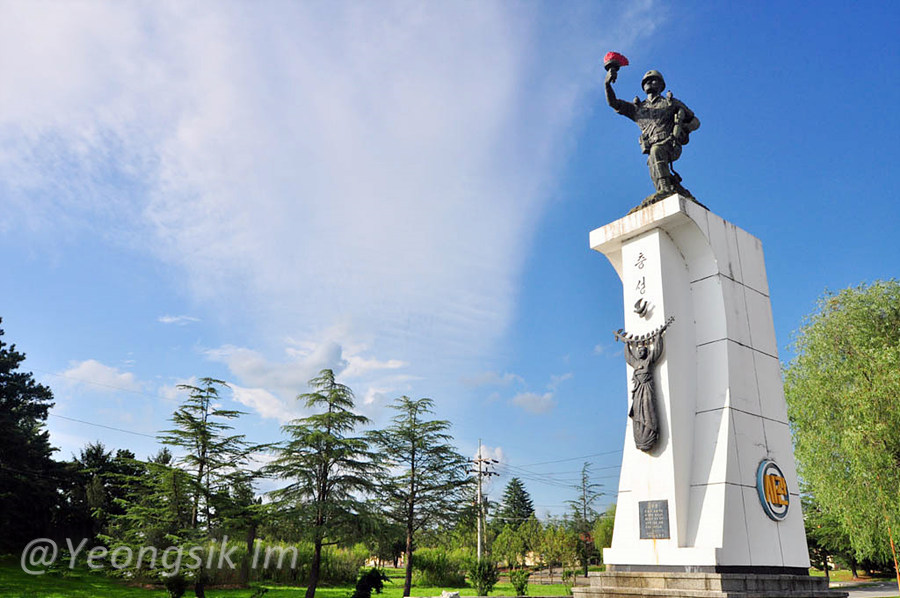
633, 584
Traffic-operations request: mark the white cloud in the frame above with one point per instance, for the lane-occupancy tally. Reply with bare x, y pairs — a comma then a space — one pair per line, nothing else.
541, 403
286, 378
99, 377
534, 402
272, 386
265, 403
377, 166
606, 350
492, 379
556, 380
172, 392
490, 452
358, 367
178, 320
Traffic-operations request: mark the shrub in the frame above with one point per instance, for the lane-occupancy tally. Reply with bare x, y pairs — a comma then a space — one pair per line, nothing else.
519, 581
435, 567
483, 575
176, 585
373, 579
340, 566
568, 579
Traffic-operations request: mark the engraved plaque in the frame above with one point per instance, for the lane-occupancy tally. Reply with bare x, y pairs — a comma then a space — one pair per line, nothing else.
654, 519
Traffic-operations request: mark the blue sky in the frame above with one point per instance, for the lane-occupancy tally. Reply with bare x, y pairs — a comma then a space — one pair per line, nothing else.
403, 191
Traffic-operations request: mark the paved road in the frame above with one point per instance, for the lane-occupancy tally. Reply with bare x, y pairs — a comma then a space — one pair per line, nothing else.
881, 590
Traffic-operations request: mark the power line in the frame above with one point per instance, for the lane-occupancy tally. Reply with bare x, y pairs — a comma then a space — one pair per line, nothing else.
81, 421
551, 478
572, 458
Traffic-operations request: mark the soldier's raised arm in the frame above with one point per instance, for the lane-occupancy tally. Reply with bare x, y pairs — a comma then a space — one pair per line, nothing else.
622, 107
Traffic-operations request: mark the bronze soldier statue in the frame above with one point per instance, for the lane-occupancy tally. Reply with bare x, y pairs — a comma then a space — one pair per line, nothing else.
666, 124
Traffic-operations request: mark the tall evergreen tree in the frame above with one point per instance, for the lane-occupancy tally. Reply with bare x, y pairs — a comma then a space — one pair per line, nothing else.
213, 457
584, 515
430, 472
28, 475
158, 507
104, 482
516, 505
329, 468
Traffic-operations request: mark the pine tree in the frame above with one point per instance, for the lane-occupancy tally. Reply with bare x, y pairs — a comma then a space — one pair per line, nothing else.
329, 468
158, 507
28, 475
516, 505
103, 483
584, 515
212, 456
426, 490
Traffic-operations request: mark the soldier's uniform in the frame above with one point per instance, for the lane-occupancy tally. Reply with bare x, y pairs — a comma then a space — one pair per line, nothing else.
665, 124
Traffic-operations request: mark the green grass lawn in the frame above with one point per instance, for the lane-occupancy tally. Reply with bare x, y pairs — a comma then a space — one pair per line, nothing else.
14, 583
845, 575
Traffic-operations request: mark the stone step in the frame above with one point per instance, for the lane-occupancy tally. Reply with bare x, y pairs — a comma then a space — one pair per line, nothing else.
703, 585
670, 593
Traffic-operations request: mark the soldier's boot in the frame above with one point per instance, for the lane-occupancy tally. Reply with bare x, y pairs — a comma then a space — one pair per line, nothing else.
664, 186
661, 174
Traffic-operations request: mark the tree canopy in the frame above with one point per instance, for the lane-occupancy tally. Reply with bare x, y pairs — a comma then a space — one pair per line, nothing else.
843, 394
214, 457
426, 489
516, 505
28, 475
584, 515
329, 468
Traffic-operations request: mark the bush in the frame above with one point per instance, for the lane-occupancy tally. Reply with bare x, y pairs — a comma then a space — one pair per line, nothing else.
483, 575
435, 567
176, 585
519, 581
373, 579
568, 579
339, 566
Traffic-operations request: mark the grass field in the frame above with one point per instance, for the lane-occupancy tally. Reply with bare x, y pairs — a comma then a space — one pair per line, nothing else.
845, 575
14, 583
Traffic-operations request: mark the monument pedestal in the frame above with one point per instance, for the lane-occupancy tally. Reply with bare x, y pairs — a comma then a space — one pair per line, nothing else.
714, 506
704, 585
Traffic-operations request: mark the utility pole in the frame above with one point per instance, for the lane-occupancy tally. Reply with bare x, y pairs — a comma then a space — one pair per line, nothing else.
482, 471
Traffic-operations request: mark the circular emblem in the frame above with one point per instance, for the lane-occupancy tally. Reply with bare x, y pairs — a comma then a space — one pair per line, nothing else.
772, 489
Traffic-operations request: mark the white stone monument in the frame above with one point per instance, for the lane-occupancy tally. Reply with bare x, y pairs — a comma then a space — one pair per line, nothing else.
714, 505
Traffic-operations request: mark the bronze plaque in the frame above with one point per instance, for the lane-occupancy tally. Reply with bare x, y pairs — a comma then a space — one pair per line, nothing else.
654, 519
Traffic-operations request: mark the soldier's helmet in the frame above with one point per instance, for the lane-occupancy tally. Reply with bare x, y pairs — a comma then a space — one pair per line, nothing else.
653, 73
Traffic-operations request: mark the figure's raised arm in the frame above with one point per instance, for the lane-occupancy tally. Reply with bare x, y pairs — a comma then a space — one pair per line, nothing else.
657, 347
622, 107
630, 358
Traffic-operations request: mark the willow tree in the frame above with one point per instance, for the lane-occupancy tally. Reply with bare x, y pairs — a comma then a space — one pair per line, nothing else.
843, 394
330, 470
426, 489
